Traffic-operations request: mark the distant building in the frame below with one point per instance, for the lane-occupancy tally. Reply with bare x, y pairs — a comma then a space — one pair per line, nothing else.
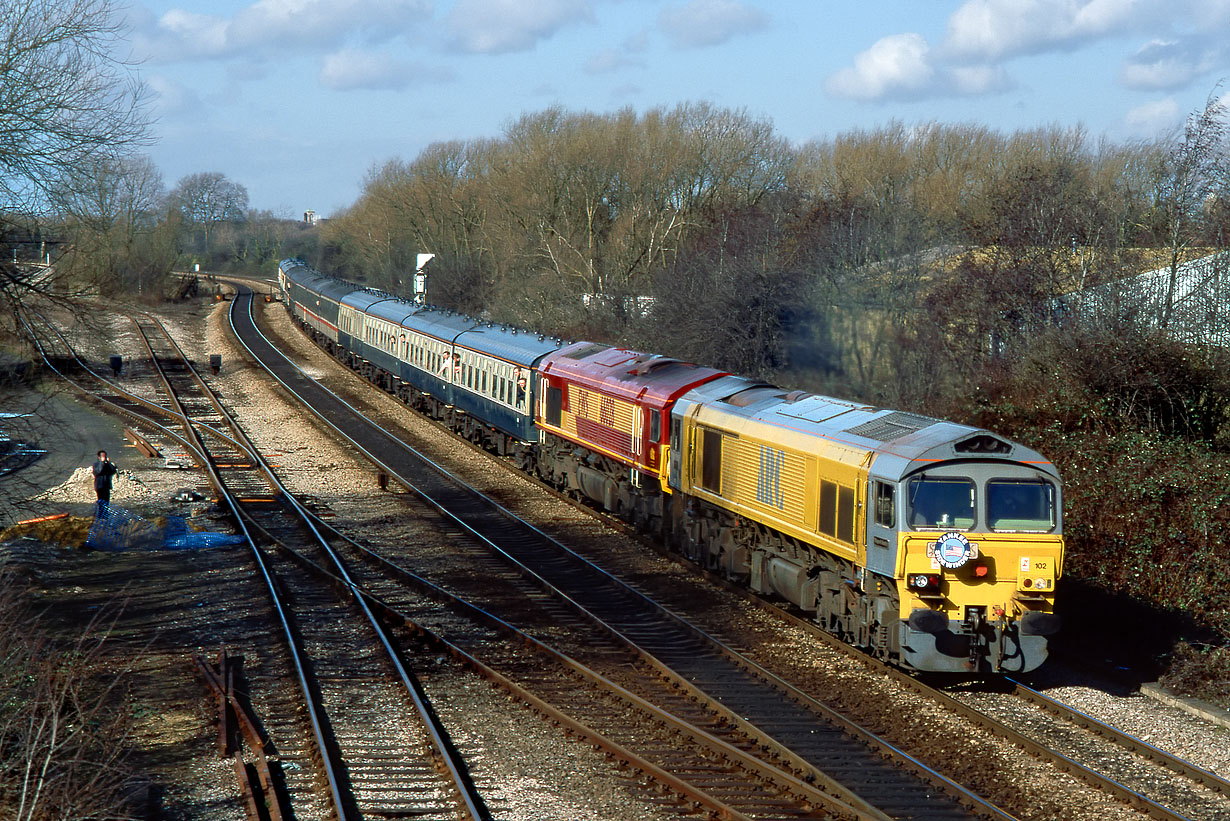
310, 217
1200, 307
632, 305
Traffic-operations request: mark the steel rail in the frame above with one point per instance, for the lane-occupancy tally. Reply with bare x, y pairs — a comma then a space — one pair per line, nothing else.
331, 768
849, 803
444, 751
478, 614
957, 707
195, 448
1125, 740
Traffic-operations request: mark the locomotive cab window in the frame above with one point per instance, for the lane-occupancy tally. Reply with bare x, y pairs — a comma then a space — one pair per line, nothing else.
1020, 505
655, 425
941, 502
885, 509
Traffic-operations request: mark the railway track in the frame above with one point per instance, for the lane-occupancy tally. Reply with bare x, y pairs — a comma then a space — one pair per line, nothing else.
1152, 781
376, 758
694, 765
847, 759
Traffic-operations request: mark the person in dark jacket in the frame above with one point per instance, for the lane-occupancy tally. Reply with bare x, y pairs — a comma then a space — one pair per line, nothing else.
104, 469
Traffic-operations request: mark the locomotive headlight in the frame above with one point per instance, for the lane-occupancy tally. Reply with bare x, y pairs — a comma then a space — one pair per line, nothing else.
923, 582
1042, 584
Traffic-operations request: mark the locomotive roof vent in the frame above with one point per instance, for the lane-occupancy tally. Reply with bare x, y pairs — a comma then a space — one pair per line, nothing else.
795, 396
983, 443
891, 426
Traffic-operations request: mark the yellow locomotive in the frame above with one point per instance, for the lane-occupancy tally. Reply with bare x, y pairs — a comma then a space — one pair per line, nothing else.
933, 545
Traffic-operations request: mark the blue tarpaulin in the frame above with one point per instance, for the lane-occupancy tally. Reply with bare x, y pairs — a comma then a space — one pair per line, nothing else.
116, 528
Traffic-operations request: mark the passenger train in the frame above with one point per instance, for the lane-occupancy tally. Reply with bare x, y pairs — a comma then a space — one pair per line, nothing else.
932, 545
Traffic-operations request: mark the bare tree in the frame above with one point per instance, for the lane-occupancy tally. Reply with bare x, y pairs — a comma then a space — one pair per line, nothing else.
64, 728
111, 211
208, 198
1188, 178
68, 101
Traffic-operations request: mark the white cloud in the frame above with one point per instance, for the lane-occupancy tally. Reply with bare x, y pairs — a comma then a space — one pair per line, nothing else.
992, 29
326, 21
1171, 64
274, 25
982, 36
894, 66
351, 69
627, 55
981, 79
170, 97
710, 22
1154, 117
183, 34
500, 26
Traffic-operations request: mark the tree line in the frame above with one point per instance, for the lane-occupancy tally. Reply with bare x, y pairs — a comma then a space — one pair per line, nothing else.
697, 231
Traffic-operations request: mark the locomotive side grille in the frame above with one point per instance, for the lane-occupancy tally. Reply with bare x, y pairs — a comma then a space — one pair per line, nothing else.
890, 427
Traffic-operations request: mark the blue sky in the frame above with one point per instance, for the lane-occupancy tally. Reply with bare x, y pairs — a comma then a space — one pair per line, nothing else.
298, 99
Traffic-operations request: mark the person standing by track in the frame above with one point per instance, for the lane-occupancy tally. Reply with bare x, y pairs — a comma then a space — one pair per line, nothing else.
103, 469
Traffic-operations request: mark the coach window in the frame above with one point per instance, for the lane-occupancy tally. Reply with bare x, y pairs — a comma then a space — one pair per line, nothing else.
885, 510
711, 460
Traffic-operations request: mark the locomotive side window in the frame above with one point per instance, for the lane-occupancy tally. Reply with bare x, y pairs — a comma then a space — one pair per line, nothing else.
1020, 505
555, 406
941, 502
845, 514
655, 425
828, 508
885, 509
711, 460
